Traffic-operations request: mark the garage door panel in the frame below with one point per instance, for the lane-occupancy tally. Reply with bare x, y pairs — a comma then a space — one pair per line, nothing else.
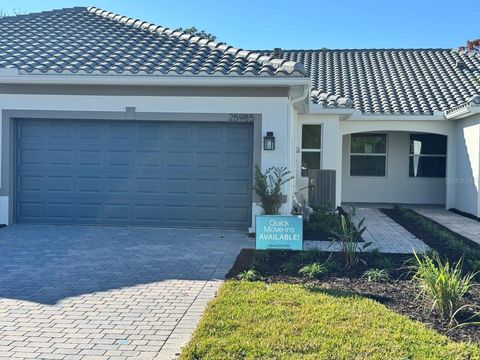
138, 173
60, 211
30, 183
60, 184
31, 210
149, 158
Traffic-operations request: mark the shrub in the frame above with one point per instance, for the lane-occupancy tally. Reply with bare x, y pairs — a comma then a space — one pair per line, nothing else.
290, 267
350, 239
474, 264
268, 187
377, 275
331, 266
326, 220
383, 263
249, 275
442, 283
313, 271
375, 253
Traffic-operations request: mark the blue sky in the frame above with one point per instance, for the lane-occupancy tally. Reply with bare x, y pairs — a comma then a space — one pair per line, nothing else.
261, 24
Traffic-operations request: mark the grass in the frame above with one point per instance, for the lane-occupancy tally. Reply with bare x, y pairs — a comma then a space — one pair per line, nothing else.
255, 320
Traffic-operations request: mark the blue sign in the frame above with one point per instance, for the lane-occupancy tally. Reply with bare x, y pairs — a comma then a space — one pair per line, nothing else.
279, 232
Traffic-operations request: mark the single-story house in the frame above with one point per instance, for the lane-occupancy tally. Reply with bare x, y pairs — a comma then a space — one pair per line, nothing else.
115, 121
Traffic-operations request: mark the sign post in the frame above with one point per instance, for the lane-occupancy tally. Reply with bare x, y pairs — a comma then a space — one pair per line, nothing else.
279, 232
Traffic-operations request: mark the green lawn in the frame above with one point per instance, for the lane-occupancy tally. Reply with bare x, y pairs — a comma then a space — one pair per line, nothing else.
255, 320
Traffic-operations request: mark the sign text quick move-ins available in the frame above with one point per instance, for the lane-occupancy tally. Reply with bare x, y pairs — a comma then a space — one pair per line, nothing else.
279, 232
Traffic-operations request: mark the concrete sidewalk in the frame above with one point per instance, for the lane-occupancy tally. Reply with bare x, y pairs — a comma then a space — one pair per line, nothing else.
459, 224
384, 234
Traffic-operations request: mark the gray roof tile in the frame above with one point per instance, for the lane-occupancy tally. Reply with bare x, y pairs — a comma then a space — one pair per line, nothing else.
390, 81
91, 40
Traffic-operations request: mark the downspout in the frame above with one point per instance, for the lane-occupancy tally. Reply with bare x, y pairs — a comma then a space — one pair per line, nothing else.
291, 132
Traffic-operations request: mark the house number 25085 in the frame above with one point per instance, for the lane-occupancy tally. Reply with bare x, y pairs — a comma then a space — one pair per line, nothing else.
241, 117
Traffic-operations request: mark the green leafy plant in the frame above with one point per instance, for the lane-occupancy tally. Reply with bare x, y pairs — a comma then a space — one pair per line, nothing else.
290, 267
350, 240
377, 275
313, 271
443, 283
268, 186
332, 266
324, 219
249, 275
383, 263
375, 253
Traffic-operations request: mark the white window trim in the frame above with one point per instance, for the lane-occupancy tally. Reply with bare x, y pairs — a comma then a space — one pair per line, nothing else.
302, 150
385, 154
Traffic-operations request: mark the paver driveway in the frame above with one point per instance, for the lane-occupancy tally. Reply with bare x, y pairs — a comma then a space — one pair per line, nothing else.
80, 292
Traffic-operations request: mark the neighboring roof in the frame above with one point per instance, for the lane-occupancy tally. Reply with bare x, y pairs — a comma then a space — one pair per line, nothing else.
91, 40
390, 81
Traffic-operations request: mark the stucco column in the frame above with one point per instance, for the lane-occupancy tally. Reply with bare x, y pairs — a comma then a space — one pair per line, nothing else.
451, 173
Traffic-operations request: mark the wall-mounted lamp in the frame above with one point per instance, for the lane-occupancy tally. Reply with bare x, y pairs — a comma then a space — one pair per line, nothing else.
269, 141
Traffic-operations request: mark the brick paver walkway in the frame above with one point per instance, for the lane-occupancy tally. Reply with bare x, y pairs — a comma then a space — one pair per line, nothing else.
384, 234
77, 292
462, 225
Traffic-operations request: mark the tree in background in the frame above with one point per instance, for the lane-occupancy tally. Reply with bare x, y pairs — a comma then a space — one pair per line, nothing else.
194, 31
14, 12
472, 46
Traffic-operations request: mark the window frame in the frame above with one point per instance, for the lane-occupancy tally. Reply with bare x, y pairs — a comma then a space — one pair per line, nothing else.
385, 154
410, 156
302, 149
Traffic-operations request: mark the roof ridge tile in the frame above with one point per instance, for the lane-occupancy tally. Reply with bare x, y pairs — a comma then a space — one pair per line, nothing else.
285, 67
45, 13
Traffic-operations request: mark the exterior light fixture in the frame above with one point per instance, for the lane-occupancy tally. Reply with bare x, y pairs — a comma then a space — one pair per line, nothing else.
269, 141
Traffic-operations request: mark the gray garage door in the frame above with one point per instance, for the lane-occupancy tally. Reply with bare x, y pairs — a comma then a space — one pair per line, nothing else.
185, 174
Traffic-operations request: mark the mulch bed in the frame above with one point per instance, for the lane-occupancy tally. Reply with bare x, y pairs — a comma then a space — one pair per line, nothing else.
319, 235
429, 239
398, 294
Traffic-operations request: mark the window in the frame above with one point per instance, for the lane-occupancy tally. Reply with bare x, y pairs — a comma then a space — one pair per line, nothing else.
428, 156
368, 154
311, 147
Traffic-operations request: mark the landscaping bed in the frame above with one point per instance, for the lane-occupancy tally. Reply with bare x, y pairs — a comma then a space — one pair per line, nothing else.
446, 242
324, 224
398, 293
258, 320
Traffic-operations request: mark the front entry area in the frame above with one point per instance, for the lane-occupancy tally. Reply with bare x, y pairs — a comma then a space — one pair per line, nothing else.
396, 167
168, 173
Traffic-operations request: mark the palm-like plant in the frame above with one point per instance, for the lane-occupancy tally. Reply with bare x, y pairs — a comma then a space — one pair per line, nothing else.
268, 186
350, 239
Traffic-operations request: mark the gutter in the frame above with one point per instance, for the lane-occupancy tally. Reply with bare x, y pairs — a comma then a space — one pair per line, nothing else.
471, 107
359, 116
354, 115
12, 76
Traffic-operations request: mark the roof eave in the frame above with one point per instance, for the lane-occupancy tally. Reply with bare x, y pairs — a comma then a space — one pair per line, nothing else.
11, 76
469, 108
318, 109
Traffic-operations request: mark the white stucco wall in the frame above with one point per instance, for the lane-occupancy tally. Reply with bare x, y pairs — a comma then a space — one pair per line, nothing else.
330, 152
396, 186
468, 165
277, 116
409, 191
